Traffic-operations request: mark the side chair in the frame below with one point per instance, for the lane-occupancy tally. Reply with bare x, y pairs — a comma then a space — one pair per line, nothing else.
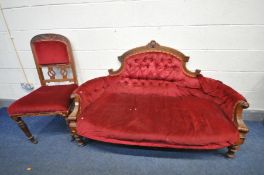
56, 70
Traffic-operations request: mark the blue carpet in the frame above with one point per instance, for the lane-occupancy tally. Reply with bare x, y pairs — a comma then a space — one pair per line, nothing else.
56, 155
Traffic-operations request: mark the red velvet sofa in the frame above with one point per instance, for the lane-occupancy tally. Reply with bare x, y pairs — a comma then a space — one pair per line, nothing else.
153, 100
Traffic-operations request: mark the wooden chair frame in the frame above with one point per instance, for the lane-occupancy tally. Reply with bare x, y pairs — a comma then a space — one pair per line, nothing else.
62, 67
52, 78
154, 46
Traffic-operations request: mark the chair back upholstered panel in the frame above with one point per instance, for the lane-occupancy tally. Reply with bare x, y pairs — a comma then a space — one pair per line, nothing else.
53, 58
51, 52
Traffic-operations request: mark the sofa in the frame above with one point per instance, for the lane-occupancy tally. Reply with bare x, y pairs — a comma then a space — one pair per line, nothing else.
153, 100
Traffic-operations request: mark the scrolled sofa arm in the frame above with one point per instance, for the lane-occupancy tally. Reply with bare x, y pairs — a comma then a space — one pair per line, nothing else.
91, 90
82, 97
231, 102
226, 97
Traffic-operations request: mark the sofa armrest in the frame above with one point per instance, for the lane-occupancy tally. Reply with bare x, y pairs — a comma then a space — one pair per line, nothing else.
82, 97
230, 101
226, 97
238, 120
89, 91
74, 111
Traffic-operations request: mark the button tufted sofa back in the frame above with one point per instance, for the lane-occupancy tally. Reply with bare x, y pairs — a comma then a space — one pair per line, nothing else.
153, 66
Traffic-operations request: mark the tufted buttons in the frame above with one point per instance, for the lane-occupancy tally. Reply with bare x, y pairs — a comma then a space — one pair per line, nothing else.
174, 67
153, 66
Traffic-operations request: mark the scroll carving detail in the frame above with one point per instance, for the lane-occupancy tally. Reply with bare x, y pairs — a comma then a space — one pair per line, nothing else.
51, 72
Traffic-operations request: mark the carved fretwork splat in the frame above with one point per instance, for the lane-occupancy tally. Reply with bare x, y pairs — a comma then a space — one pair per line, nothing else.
63, 71
51, 72
54, 71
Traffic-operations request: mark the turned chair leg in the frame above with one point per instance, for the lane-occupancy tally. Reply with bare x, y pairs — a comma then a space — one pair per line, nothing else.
232, 150
22, 125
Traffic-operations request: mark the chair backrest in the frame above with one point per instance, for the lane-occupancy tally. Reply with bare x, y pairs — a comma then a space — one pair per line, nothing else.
154, 62
53, 54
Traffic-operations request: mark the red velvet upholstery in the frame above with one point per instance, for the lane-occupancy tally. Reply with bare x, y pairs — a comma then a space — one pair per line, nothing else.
51, 52
154, 120
156, 66
153, 103
221, 94
44, 99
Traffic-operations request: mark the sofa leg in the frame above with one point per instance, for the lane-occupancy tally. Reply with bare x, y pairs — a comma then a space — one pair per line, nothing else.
22, 125
78, 140
76, 137
232, 150
72, 138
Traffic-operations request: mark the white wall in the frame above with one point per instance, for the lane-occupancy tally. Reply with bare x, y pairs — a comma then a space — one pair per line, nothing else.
224, 38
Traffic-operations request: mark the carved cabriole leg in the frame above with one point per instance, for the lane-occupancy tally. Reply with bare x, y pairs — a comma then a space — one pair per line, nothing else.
241, 126
22, 125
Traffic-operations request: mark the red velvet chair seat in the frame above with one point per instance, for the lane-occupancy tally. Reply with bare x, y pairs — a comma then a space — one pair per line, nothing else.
44, 99
157, 120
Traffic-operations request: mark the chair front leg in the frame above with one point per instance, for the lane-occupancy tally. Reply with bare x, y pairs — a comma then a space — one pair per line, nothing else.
22, 125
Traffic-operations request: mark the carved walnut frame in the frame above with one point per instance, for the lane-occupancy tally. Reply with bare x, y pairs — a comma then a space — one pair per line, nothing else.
52, 75
153, 46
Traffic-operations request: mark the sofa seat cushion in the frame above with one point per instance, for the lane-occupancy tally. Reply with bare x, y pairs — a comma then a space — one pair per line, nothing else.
44, 100
158, 121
